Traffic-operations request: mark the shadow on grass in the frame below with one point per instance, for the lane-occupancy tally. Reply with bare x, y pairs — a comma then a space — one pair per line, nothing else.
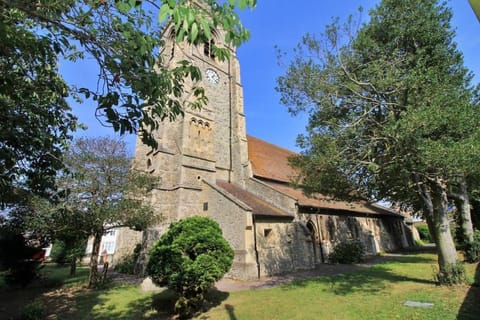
95, 304
371, 280
416, 258
229, 309
14, 299
56, 276
470, 308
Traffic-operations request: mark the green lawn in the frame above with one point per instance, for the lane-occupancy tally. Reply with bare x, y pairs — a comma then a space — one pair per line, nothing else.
14, 300
378, 292
375, 293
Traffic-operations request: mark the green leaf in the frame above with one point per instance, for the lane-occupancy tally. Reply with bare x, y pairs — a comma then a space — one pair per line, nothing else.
190, 16
123, 7
164, 11
206, 29
180, 35
242, 4
194, 32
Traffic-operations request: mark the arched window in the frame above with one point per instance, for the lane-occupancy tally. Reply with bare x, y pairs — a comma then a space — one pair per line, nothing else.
171, 36
208, 49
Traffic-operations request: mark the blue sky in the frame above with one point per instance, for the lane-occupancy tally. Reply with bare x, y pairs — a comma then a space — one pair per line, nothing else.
282, 23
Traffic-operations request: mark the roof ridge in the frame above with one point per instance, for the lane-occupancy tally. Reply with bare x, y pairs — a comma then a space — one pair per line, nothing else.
273, 145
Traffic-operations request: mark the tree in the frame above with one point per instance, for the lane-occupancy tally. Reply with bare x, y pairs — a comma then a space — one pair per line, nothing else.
98, 193
37, 118
68, 251
189, 258
464, 194
134, 89
461, 198
393, 115
104, 191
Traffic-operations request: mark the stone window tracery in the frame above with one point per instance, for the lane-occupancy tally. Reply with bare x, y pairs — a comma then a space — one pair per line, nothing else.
208, 49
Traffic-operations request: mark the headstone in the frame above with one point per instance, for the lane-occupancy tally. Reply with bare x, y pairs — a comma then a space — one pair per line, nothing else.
418, 304
147, 285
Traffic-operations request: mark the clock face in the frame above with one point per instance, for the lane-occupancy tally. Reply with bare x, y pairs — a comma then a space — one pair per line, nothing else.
212, 76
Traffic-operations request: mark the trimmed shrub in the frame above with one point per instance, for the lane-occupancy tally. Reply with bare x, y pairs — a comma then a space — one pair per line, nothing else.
127, 263
423, 232
453, 274
472, 250
189, 258
348, 252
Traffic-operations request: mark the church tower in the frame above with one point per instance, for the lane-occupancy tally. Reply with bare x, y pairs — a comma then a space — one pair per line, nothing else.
203, 167
200, 151
204, 145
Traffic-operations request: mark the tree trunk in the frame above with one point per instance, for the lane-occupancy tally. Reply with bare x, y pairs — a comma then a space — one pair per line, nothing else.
447, 254
462, 202
93, 275
426, 197
73, 266
475, 213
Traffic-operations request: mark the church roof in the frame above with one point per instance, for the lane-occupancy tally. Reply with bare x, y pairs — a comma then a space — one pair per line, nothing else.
270, 164
270, 161
259, 207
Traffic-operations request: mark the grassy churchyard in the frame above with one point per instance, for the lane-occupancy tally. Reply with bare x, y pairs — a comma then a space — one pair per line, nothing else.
377, 292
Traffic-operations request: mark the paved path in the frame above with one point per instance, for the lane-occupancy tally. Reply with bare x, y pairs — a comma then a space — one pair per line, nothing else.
230, 285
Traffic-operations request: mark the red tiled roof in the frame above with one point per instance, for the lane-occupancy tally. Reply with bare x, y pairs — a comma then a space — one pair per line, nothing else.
259, 206
270, 162
323, 202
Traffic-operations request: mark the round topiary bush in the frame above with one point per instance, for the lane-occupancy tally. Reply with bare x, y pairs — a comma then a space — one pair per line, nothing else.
347, 252
189, 258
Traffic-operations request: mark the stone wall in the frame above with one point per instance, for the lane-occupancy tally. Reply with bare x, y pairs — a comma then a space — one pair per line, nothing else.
235, 219
283, 246
126, 241
377, 234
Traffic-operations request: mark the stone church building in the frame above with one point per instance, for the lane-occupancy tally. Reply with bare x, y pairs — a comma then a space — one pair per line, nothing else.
208, 166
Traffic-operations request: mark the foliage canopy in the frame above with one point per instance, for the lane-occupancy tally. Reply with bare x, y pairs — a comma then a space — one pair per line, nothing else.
393, 115
133, 92
97, 193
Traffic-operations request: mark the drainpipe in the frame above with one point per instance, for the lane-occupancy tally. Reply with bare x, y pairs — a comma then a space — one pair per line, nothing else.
257, 260
230, 116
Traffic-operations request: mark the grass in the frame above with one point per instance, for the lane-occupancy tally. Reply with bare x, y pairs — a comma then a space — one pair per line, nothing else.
375, 293
14, 300
378, 292
59, 275
121, 302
